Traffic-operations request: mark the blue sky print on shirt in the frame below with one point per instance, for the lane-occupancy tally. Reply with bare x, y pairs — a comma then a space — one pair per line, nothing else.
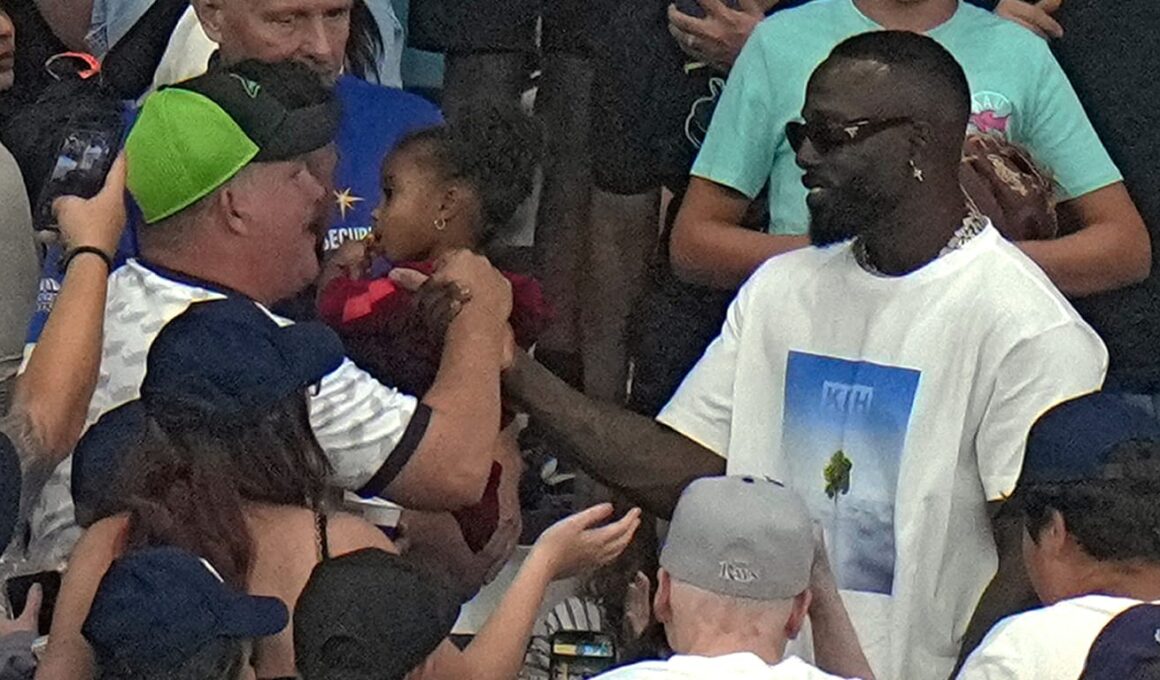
844, 433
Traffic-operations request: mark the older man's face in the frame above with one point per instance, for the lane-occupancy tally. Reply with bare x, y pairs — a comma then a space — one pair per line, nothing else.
313, 32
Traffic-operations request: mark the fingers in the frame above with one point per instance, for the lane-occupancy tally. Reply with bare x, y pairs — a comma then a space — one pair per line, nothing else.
1049, 6
31, 611
591, 516
714, 8
1050, 26
409, 279
685, 26
619, 531
625, 531
115, 181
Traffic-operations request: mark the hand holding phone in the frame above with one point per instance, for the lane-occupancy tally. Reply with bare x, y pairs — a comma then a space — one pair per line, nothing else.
85, 156
34, 596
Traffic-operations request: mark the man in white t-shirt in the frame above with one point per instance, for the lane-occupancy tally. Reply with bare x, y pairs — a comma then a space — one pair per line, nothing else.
738, 575
889, 375
1088, 495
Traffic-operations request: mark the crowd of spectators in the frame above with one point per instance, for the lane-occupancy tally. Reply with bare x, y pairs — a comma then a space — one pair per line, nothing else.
832, 355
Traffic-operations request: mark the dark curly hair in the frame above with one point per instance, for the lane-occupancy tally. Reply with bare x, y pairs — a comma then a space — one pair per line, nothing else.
495, 149
1115, 519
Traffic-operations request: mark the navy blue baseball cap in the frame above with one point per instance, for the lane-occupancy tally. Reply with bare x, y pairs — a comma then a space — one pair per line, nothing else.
1128, 648
1073, 441
10, 482
156, 608
218, 366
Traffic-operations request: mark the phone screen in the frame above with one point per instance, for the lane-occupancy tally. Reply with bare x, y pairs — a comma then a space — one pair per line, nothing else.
82, 162
581, 655
17, 587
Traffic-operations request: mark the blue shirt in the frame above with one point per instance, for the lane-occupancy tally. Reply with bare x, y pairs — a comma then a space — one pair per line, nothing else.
374, 120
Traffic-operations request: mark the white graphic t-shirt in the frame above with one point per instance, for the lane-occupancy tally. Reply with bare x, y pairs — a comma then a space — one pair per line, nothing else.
742, 666
1044, 644
897, 407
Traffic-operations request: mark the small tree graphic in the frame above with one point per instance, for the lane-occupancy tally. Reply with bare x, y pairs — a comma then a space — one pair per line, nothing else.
837, 476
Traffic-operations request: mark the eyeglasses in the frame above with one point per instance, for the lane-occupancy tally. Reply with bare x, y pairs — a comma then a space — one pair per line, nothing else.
829, 136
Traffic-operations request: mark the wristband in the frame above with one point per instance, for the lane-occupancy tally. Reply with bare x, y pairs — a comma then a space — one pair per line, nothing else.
81, 250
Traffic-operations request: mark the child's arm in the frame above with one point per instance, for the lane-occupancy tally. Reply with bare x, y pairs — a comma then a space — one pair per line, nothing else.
568, 547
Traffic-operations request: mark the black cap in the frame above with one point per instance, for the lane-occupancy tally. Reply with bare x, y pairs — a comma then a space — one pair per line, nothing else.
284, 107
369, 614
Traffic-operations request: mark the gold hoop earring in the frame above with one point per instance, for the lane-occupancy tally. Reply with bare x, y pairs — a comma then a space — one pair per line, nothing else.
440, 224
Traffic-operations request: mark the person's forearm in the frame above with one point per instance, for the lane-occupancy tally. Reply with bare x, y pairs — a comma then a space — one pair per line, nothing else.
725, 255
650, 463
497, 652
465, 404
1083, 264
1106, 246
52, 395
836, 647
1009, 592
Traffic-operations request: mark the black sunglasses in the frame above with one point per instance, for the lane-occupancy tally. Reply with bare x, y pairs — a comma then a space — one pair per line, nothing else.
829, 136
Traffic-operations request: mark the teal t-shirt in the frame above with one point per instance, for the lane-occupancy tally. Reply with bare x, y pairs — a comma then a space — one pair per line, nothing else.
1017, 88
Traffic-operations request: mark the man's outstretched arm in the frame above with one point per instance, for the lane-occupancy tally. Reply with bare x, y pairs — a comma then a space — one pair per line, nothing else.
650, 463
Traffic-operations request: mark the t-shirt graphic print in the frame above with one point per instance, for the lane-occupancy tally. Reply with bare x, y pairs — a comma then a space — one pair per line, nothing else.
846, 422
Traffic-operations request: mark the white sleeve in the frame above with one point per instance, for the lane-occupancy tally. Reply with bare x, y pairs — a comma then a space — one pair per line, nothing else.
702, 408
1038, 373
368, 430
1000, 656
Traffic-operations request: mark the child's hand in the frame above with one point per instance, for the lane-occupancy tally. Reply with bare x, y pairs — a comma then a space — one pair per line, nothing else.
353, 258
572, 545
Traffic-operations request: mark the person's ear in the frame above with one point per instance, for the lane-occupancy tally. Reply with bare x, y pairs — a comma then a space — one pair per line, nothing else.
1053, 537
797, 615
663, 601
921, 135
210, 14
234, 209
456, 201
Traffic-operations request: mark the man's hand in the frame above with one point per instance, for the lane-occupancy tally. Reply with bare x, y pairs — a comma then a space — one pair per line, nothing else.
96, 222
28, 618
1035, 16
480, 281
717, 38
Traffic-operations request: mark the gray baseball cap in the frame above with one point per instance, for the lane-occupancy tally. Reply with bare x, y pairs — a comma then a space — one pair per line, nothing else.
741, 536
